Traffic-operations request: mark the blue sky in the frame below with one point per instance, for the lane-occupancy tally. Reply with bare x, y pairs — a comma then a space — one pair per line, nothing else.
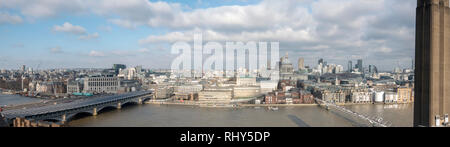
83, 33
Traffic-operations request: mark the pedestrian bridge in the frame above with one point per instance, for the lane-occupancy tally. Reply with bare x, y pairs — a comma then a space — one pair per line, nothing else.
372, 121
64, 112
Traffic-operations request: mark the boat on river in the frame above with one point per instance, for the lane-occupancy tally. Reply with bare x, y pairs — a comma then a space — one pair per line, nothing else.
273, 108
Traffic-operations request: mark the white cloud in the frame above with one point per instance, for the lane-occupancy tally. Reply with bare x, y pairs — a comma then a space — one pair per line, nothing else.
96, 54
120, 53
69, 28
76, 30
368, 28
6, 18
144, 50
170, 37
89, 36
319, 47
282, 34
384, 49
132, 13
124, 23
340, 28
45, 8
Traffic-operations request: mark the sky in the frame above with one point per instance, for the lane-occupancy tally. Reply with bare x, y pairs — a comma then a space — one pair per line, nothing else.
47, 34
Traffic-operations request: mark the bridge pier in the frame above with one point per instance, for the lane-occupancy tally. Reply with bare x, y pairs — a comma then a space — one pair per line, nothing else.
94, 112
140, 101
119, 105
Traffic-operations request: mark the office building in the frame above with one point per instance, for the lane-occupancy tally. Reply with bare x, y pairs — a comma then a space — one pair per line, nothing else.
215, 96
320, 61
118, 67
301, 64
350, 66
74, 86
359, 65
101, 84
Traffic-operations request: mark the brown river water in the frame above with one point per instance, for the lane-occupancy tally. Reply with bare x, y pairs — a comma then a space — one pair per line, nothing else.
191, 116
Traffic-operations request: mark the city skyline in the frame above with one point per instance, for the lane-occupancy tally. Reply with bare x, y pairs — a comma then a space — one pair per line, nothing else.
83, 34
224, 63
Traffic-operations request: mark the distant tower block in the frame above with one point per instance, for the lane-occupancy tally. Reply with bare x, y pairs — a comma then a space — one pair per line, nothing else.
432, 75
301, 63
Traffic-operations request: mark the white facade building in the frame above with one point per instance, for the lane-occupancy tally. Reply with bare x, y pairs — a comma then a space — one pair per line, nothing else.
378, 97
391, 97
101, 85
268, 86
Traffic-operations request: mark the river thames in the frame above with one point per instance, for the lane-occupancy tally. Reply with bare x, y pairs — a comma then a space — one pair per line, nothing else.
15, 100
191, 116
150, 115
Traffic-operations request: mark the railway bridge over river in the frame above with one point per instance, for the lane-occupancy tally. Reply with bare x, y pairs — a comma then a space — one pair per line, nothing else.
64, 112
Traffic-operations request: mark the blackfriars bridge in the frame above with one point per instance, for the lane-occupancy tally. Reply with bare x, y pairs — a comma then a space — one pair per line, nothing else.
65, 112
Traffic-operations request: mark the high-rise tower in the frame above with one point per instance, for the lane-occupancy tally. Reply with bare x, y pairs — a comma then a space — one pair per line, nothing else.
301, 64
350, 66
359, 65
432, 74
